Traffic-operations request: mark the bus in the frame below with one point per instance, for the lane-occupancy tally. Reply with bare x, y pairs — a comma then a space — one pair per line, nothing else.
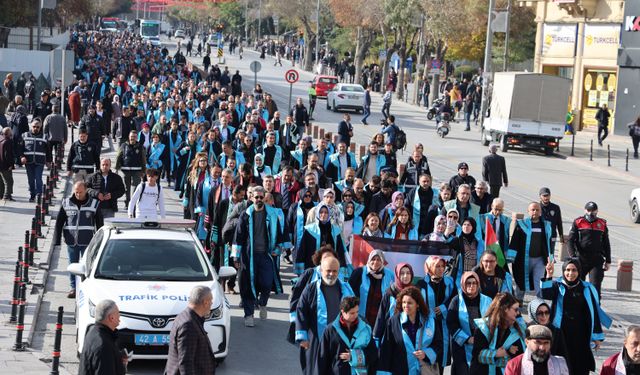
111, 24
150, 31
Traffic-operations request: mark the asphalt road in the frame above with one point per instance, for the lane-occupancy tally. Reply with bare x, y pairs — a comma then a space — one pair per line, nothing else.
263, 349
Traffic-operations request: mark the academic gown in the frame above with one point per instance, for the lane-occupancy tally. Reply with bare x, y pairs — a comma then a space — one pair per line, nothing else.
184, 159
311, 242
358, 343
519, 251
396, 349
386, 311
461, 325
577, 313
485, 345
311, 322
439, 295
419, 209
361, 283
309, 276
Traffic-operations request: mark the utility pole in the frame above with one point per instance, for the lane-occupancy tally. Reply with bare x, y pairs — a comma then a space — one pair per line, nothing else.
39, 22
505, 63
486, 71
246, 21
317, 30
259, 19
137, 9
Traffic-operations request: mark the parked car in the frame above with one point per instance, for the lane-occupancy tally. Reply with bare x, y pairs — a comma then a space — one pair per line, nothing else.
346, 96
149, 269
634, 205
324, 84
180, 34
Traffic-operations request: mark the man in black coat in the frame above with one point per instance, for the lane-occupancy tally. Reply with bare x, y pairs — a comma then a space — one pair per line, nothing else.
106, 186
190, 350
93, 123
345, 130
463, 177
494, 171
300, 116
100, 354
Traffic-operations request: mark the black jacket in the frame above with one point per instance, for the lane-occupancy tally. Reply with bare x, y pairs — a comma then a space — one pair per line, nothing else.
115, 186
100, 355
345, 131
551, 213
458, 180
494, 170
7, 156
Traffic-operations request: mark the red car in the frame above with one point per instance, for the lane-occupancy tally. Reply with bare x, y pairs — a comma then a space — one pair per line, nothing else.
324, 84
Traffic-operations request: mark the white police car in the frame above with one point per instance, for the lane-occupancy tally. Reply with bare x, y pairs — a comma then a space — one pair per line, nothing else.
148, 269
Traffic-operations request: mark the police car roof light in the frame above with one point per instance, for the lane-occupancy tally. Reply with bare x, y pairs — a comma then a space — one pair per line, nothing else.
149, 224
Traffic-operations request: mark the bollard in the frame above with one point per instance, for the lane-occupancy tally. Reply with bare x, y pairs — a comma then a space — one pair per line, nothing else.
19, 346
352, 147
362, 151
591, 151
56, 343
573, 143
39, 216
33, 245
16, 289
625, 275
43, 209
608, 155
321, 133
626, 162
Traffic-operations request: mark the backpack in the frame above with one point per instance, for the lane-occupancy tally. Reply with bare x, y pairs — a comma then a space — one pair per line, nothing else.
144, 185
401, 139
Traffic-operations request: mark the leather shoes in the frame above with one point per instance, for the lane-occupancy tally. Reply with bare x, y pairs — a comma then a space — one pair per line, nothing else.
71, 294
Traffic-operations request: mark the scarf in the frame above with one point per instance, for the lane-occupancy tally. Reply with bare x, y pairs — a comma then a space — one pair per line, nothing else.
555, 365
319, 208
376, 233
464, 278
576, 262
347, 216
435, 235
379, 274
399, 285
393, 200
470, 237
534, 306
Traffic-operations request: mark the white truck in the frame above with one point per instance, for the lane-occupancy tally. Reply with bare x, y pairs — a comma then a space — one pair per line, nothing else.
528, 110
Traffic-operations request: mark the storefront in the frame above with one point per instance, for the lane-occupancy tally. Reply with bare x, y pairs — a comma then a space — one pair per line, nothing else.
628, 90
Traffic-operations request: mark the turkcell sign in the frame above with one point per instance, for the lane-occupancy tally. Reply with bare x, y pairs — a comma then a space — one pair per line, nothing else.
632, 23
153, 297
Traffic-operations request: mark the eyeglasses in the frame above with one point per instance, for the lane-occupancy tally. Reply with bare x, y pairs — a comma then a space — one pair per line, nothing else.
259, 197
543, 312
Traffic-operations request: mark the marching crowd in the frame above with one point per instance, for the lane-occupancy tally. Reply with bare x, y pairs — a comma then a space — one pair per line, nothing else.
261, 190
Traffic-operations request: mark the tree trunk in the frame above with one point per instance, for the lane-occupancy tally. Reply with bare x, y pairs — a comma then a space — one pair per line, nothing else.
364, 43
402, 53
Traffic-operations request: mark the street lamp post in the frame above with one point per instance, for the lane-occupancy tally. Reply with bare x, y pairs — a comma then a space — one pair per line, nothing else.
486, 71
317, 30
259, 19
39, 22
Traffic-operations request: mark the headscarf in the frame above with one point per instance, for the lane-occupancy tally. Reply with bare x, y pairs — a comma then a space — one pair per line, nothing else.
380, 273
21, 109
393, 199
435, 236
566, 263
431, 263
534, 306
255, 160
470, 236
116, 99
348, 217
319, 208
303, 204
399, 285
466, 276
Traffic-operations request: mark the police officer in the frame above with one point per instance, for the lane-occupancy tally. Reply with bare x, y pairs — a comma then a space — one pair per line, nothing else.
83, 158
34, 155
551, 213
589, 241
93, 124
131, 160
78, 219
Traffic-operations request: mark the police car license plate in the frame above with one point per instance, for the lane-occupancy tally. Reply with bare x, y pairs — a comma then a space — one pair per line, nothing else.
143, 339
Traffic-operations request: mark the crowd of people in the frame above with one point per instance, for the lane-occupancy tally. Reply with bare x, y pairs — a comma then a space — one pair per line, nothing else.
261, 190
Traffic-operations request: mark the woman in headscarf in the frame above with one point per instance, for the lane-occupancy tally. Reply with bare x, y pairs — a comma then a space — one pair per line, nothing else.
297, 214
403, 278
372, 226
469, 248
540, 313
116, 108
352, 223
577, 312
369, 283
493, 279
438, 241
321, 232
401, 227
198, 187
389, 211
408, 345
259, 169
464, 308
437, 291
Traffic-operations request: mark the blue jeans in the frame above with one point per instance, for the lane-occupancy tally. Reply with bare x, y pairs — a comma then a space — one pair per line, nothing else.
536, 272
467, 116
366, 112
263, 281
34, 177
75, 253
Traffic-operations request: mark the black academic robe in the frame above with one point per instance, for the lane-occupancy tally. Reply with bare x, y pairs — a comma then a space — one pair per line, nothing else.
360, 345
184, 159
308, 328
480, 342
386, 311
309, 244
308, 276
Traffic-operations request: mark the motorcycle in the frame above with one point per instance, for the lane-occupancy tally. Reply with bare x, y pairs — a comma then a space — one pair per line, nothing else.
444, 127
433, 110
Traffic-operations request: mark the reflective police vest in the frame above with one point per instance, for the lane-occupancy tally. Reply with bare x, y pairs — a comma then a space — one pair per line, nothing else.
84, 156
80, 225
35, 148
132, 157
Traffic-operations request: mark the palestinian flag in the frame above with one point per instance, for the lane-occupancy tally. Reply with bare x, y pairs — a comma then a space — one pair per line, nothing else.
491, 242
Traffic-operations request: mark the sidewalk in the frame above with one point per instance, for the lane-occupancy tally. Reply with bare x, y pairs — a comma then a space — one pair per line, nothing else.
15, 218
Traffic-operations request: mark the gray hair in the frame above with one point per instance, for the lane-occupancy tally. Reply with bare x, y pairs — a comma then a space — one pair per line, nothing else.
465, 186
198, 294
493, 148
482, 184
259, 189
497, 201
631, 329
104, 308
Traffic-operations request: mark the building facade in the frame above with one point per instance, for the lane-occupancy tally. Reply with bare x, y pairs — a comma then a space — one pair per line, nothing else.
579, 40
